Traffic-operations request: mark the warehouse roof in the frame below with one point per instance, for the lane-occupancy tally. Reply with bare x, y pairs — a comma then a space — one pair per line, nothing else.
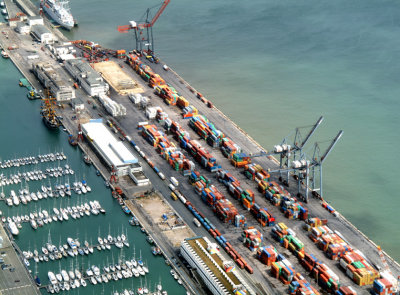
114, 151
39, 30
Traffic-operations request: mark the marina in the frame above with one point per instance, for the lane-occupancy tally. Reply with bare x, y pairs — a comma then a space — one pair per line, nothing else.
77, 209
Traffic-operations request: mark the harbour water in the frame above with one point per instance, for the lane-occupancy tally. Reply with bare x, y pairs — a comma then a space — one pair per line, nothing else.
23, 134
269, 65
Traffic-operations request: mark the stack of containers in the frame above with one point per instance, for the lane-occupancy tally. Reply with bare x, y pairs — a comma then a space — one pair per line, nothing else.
240, 221
151, 134
294, 209
333, 245
247, 198
300, 286
315, 222
317, 232
262, 215
383, 287
256, 172
294, 245
252, 238
161, 116
337, 251
309, 261
358, 269
326, 278
145, 72
225, 210
240, 160
200, 154
211, 195
282, 270
228, 147
156, 80
267, 254
279, 232
347, 291
182, 102
189, 112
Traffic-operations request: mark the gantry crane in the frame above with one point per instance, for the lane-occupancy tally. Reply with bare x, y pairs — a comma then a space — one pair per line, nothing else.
304, 167
144, 29
285, 150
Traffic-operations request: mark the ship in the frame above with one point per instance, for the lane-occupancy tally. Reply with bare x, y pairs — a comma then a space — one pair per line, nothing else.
48, 113
59, 11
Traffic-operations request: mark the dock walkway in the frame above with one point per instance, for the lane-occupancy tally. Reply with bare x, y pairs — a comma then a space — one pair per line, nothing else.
17, 281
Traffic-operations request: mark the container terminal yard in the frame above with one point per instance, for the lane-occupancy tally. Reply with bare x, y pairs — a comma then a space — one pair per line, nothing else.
252, 233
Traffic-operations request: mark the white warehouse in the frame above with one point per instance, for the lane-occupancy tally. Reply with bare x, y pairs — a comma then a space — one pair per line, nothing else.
218, 273
112, 150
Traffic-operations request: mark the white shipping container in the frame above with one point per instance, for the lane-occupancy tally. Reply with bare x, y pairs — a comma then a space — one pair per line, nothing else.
161, 175
171, 187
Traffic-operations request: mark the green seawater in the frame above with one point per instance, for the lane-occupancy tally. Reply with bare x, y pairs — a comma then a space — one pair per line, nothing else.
24, 134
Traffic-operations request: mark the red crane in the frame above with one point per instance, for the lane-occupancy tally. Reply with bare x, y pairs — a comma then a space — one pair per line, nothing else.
144, 30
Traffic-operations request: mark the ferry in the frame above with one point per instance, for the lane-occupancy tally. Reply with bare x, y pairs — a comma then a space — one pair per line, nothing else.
59, 12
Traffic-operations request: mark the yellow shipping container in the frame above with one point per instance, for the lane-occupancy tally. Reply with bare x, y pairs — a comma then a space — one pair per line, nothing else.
300, 255
292, 247
282, 226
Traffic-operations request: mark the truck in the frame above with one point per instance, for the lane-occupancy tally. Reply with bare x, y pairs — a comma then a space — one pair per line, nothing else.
196, 222
161, 175
173, 196
174, 181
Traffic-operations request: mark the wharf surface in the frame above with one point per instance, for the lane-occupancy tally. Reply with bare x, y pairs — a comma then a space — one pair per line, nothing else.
356, 238
18, 281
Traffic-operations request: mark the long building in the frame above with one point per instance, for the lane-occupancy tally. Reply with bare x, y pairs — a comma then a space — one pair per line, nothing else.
218, 273
87, 77
113, 151
51, 80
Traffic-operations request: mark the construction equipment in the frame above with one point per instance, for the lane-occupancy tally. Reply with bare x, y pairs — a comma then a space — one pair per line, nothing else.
387, 273
144, 29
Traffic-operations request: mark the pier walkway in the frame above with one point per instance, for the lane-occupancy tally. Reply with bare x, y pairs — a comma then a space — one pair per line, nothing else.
14, 279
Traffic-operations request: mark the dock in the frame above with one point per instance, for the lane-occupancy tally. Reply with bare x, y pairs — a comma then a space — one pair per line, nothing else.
19, 280
260, 279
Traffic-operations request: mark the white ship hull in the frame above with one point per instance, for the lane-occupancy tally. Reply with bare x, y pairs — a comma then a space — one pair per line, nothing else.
59, 14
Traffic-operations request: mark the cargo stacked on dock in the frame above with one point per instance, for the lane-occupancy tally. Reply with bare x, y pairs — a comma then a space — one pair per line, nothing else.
383, 287
267, 254
300, 286
225, 210
252, 238
282, 270
256, 172
358, 269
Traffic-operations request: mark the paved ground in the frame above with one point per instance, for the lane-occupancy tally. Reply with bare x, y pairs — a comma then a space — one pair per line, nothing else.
15, 278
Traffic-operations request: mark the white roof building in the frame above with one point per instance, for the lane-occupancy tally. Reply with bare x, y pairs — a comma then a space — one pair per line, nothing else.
112, 150
42, 34
217, 272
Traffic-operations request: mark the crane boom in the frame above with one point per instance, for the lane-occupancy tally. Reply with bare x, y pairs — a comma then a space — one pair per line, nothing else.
310, 133
331, 146
157, 15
